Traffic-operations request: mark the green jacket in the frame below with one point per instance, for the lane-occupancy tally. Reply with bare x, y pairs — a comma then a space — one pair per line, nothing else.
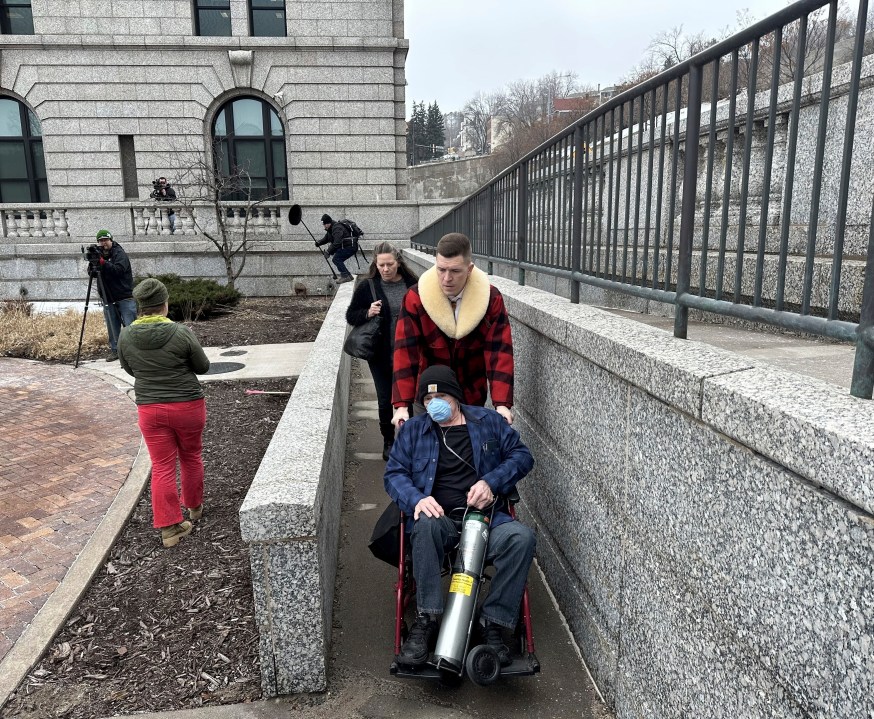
164, 358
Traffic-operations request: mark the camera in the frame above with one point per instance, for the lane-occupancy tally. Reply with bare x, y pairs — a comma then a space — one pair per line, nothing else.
93, 254
157, 187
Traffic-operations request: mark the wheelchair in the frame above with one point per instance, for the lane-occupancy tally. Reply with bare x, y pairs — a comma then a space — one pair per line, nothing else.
479, 662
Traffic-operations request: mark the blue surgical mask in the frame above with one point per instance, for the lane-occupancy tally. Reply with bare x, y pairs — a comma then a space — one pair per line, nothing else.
439, 409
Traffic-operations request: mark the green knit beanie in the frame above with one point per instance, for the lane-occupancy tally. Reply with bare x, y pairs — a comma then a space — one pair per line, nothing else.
151, 293
104, 233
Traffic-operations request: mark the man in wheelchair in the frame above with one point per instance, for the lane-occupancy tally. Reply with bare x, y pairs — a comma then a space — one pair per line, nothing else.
459, 455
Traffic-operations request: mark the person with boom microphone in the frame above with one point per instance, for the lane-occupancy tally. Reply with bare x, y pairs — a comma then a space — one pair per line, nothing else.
115, 284
343, 245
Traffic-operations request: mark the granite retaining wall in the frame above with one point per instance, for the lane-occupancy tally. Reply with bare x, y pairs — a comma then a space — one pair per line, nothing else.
705, 521
291, 517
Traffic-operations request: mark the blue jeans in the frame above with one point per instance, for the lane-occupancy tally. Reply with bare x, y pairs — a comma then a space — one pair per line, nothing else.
340, 257
122, 311
511, 549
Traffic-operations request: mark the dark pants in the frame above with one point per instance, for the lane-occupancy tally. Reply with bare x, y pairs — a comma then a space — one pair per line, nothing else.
381, 370
511, 549
340, 257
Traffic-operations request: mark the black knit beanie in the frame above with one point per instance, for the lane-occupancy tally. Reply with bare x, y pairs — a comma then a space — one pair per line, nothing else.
326, 219
439, 378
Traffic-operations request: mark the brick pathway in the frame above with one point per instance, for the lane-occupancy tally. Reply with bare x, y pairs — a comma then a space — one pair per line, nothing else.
67, 442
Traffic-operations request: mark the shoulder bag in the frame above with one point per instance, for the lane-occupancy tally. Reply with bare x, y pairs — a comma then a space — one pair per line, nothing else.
363, 339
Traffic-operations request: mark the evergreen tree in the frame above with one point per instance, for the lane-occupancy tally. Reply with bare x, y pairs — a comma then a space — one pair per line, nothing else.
416, 134
435, 130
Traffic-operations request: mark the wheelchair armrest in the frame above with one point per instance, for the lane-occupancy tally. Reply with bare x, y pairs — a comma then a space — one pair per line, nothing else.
512, 496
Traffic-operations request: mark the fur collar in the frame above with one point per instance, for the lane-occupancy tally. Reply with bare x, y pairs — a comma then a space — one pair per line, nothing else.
474, 303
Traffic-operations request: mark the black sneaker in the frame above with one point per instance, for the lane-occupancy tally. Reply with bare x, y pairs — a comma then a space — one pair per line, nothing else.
386, 449
112, 356
494, 638
418, 645
344, 278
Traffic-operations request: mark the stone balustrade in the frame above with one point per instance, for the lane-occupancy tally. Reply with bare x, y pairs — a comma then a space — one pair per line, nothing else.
33, 221
154, 218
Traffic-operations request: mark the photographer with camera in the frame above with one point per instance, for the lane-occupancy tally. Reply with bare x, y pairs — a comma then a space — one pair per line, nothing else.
109, 264
163, 192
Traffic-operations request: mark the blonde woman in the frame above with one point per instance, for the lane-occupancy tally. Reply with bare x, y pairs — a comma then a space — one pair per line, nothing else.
391, 278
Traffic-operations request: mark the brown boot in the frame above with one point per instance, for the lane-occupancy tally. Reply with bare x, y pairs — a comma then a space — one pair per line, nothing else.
171, 535
195, 513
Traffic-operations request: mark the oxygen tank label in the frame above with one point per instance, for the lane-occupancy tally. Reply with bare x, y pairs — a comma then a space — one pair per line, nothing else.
461, 584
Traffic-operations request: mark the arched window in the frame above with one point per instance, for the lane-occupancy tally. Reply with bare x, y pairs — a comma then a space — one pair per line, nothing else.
22, 164
250, 145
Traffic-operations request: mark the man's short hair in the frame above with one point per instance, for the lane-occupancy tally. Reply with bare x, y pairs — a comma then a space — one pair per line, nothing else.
453, 245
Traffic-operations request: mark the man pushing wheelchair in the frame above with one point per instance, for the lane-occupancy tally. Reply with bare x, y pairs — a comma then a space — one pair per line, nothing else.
468, 457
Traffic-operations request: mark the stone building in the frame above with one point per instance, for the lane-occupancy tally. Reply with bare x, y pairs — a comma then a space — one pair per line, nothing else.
100, 97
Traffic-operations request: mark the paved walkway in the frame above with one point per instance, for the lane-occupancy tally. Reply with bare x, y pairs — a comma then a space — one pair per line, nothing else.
67, 444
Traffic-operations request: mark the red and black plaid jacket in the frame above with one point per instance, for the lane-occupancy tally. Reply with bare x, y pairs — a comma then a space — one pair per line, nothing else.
484, 355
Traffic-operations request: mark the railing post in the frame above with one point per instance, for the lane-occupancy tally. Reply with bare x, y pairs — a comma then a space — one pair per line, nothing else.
577, 216
490, 228
522, 227
690, 191
862, 385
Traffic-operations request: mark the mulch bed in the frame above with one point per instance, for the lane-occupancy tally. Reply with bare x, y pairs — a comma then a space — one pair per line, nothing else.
163, 629
264, 321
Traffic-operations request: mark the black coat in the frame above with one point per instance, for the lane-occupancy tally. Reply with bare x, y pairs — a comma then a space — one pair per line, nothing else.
116, 275
356, 314
338, 236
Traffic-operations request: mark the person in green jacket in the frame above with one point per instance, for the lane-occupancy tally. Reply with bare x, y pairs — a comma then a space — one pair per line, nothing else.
164, 358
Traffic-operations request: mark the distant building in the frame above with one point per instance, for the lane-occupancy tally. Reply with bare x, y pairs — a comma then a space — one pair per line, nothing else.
599, 94
572, 106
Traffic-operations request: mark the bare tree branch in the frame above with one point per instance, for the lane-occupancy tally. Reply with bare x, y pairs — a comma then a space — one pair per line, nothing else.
231, 196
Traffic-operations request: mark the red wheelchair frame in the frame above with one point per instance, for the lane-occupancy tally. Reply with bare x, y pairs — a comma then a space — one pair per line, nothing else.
525, 662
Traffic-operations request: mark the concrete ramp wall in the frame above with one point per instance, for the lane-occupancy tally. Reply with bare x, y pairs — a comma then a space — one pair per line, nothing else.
291, 517
704, 521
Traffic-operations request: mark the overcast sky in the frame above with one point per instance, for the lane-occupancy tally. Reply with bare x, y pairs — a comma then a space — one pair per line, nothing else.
459, 47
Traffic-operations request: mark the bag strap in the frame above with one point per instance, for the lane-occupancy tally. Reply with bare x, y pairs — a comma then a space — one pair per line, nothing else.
372, 288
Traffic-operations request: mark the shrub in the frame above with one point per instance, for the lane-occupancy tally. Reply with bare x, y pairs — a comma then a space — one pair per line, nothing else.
196, 299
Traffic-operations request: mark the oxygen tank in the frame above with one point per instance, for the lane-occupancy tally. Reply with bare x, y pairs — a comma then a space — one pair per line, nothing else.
463, 590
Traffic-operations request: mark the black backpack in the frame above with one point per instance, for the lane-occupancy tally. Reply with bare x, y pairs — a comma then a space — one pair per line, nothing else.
352, 228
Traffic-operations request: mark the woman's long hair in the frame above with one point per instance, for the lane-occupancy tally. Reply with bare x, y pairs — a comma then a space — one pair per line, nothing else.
387, 248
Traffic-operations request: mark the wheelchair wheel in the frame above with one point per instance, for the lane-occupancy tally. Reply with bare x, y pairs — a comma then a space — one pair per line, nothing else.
483, 666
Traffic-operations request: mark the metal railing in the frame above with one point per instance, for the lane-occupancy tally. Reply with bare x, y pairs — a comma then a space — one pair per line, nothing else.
693, 188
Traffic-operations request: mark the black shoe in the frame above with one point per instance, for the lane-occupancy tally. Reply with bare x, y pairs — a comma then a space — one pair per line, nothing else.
494, 638
112, 356
386, 449
418, 645
344, 278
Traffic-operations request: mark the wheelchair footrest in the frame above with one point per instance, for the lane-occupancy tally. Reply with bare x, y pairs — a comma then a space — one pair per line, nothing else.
521, 666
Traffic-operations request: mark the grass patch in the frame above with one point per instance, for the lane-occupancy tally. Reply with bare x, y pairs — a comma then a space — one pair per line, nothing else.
49, 336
